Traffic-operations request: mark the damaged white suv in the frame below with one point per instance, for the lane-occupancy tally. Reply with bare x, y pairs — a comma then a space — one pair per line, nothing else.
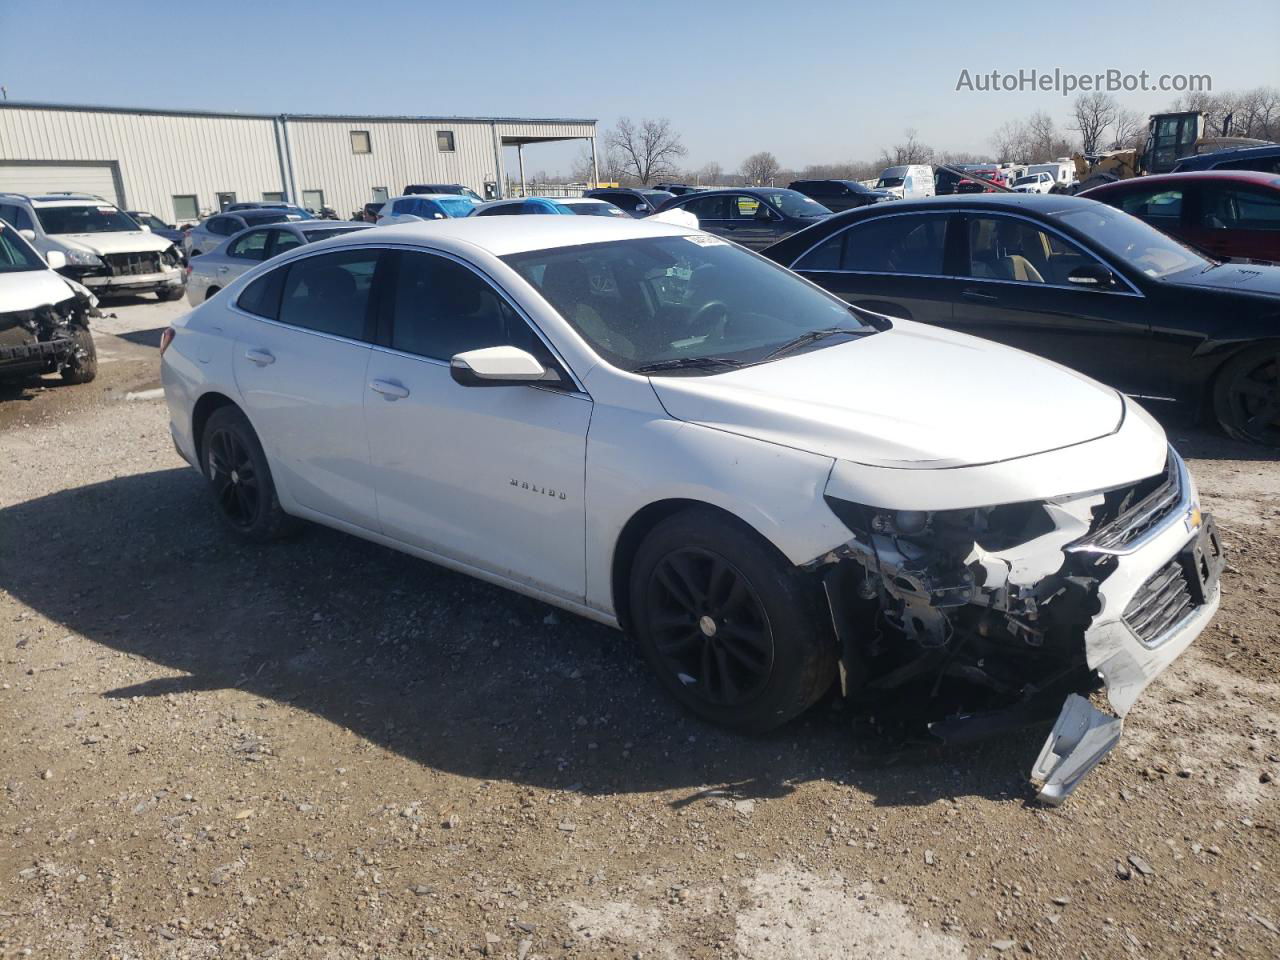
771, 491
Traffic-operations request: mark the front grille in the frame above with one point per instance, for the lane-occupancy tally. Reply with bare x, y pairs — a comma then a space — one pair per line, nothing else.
1160, 603
132, 264
1131, 512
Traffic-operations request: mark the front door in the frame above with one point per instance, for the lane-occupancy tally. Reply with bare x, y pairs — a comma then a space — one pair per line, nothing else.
489, 476
891, 264
1016, 292
752, 222
300, 366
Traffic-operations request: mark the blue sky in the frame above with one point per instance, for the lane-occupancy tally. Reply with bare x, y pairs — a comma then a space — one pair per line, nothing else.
812, 82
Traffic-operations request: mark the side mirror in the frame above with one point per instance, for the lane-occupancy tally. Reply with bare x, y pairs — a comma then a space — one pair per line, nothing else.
28, 234
499, 367
144, 228
1093, 275
56, 259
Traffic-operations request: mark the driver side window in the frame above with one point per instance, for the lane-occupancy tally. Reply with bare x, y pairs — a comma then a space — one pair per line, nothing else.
1004, 248
440, 308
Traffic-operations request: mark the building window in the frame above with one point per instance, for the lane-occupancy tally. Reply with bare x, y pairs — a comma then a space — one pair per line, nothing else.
313, 200
380, 194
360, 142
444, 141
185, 207
272, 196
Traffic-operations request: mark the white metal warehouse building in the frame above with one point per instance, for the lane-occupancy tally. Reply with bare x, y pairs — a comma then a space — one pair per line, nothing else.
181, 164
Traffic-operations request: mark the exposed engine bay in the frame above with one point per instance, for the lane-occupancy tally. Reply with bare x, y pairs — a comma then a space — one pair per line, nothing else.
975, 621
46, 336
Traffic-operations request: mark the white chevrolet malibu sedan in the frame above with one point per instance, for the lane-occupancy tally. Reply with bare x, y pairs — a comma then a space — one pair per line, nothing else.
770, 491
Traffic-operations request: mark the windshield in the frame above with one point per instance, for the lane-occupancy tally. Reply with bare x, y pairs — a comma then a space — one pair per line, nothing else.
1034, 178
644, 301
324, 234
15, 254
86, 219
794, 204
150, 220
596, 209
456, 206
888, 182
1141, 246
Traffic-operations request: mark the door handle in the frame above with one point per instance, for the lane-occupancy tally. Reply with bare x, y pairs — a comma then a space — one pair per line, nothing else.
261, 357
979, 296
223, 269
389, 390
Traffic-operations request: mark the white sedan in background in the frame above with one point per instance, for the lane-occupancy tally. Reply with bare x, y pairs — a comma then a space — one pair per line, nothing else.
769, 490
417, 207
209, 273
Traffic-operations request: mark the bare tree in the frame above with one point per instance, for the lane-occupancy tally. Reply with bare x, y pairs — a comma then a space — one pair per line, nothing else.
1091, 115
608, 163
911, 150
1128, 129
760, 168
1010, 141
1036, 138
710, 173
648, 150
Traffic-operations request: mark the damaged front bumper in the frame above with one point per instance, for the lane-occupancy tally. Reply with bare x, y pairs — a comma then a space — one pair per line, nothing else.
993, 615
43, 338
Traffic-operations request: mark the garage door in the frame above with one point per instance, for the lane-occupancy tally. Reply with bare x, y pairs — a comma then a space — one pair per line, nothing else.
99, 179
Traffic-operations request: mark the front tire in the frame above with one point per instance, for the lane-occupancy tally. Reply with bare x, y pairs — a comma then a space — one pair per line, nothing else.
239, 477
735, 633
82, 365
166, 294
1246, 396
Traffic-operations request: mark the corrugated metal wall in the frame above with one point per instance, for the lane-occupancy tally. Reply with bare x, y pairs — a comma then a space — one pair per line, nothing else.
159, 155
162, 155
402, 152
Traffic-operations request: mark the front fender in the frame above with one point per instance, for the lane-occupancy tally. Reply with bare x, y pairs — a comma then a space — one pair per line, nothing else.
774, 489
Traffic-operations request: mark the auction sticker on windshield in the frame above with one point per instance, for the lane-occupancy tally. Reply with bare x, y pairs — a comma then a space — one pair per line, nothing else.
705, 240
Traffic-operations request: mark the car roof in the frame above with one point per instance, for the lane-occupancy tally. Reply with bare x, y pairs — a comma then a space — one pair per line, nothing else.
70, 200
1256, 177
427, 196
1015, 202
501, 236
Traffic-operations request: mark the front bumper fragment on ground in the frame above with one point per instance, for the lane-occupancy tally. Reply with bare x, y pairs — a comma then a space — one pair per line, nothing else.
1083, 735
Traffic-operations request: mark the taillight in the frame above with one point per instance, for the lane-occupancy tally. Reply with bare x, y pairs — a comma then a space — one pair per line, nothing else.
166, 338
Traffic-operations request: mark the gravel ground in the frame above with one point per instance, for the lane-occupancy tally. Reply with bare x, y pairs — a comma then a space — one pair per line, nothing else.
323, 749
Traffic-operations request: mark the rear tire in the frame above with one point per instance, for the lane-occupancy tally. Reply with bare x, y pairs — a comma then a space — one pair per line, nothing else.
1246, 396
82, 366
233, 462
735, 633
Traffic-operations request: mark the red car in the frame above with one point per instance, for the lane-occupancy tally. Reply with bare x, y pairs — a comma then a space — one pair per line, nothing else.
1229, 214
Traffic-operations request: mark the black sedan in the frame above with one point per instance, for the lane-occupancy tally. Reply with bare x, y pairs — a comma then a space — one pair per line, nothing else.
1069, 279
838, 195
752, 216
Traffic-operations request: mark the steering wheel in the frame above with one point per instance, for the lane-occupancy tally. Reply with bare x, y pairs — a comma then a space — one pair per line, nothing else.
702, 316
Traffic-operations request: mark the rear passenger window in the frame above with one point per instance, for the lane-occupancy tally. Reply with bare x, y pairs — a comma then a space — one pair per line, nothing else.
262, 297
442, 308
894, 244
330, 293
252, 246
287, 241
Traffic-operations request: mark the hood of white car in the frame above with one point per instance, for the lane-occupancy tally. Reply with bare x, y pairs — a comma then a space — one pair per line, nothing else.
131, 241
28, 289
913, 396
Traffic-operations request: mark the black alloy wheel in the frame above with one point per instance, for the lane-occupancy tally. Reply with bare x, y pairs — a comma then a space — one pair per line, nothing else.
709, 627
1247, 397
233, 478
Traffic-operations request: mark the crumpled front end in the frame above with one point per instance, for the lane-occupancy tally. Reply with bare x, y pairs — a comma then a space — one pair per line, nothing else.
989, 618
43, 338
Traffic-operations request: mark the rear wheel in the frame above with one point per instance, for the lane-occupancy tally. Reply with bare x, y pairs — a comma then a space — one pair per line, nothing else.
211, 291
734, 631
240, 479
82, 365
1246, 396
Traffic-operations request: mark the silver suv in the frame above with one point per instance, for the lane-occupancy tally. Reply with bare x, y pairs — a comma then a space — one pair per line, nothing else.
105, 249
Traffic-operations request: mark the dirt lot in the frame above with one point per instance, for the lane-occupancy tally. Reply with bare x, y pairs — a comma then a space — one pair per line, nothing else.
323, 749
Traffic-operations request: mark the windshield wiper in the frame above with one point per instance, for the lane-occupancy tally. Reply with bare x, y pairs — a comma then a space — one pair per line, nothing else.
686, 363
811, 337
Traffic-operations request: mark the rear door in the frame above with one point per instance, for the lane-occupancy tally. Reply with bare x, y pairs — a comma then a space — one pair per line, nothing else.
1015, 291
493, 477
893, 264
1232, 220
300, 366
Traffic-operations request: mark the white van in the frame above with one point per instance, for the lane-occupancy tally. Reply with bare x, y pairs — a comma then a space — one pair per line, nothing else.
1062, 171
907, 182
